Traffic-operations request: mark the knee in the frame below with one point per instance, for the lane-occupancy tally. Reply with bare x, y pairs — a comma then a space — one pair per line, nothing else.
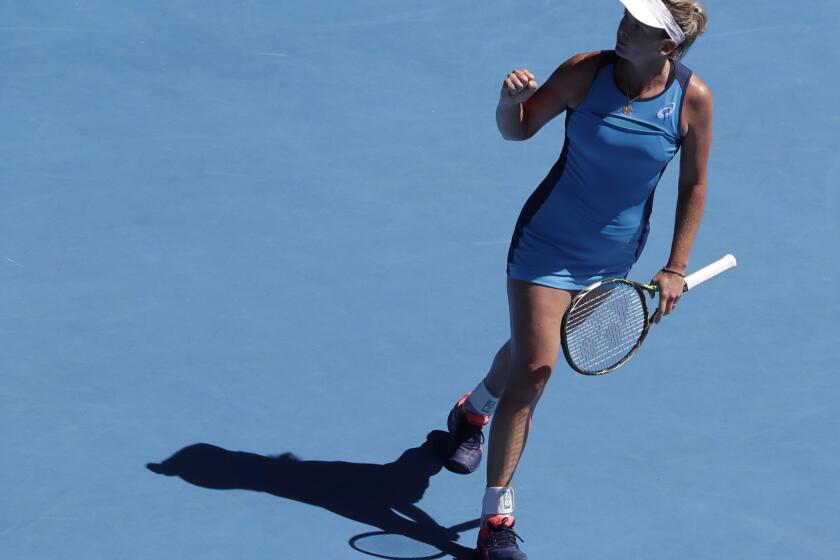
528, 380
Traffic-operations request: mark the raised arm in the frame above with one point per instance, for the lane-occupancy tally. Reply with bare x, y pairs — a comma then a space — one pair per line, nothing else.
524, 108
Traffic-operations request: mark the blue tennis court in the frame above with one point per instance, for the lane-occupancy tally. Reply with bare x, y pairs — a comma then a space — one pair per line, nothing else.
260, 247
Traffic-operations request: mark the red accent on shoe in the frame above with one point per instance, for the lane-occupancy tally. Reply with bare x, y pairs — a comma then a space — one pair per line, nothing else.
501, 521
475, 419
496, 521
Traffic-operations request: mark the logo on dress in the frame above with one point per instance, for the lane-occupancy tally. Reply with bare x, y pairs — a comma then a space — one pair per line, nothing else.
666, 111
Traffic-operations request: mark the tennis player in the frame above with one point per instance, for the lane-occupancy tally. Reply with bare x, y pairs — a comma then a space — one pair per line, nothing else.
628, 112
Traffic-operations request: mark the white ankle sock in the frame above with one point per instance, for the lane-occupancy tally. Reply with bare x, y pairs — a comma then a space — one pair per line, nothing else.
498, 500
481, 401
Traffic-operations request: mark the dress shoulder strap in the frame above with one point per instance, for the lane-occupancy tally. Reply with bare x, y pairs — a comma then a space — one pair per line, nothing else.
683, 74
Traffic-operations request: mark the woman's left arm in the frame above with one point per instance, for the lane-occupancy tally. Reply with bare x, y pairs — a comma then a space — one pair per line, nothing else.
696, 144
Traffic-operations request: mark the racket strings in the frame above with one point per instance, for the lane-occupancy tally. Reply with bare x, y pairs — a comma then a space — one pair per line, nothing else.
604, 326
588, 304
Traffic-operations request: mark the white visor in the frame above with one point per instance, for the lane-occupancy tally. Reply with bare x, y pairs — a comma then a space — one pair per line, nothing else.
655, 14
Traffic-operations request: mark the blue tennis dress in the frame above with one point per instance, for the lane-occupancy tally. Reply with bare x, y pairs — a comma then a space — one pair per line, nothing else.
589, 218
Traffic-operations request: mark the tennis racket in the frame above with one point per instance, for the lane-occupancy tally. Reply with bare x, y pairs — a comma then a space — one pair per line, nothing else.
607, 322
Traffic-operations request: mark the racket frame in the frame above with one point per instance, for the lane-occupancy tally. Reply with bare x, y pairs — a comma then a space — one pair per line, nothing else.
641, 289
691, 281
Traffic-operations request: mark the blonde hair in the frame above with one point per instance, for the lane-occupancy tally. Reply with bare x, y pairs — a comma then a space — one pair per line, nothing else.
692, 19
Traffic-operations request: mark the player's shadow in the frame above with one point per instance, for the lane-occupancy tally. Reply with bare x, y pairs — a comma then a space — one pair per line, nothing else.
384, 496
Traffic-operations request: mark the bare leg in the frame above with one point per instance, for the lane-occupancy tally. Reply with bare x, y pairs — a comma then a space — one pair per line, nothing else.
535, 316
497, 377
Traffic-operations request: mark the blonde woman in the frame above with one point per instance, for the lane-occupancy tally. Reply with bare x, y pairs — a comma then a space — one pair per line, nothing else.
628, 112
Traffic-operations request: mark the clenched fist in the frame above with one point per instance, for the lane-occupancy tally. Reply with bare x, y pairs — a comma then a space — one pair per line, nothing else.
518, 87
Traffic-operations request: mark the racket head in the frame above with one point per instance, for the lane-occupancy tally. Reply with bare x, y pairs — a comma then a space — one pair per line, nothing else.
604, 325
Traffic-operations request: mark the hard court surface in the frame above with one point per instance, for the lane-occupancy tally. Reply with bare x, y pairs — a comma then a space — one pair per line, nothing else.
261, 245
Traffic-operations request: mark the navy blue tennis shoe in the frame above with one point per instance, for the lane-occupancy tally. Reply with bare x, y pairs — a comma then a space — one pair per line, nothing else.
497, 541
466, 438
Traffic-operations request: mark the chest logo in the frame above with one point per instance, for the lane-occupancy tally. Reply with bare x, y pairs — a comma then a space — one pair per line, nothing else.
666, 111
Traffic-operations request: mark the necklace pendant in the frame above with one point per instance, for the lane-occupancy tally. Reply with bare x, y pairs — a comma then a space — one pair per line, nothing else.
628, 109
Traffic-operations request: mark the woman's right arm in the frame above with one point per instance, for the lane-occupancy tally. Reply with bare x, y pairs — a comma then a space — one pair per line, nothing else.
524, 108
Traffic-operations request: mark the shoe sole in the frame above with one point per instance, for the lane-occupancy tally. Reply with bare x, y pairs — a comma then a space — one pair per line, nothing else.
457, 468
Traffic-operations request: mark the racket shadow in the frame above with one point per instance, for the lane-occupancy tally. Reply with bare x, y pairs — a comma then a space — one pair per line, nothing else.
383, 496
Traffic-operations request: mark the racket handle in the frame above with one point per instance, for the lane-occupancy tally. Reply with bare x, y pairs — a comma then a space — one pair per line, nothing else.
710, 271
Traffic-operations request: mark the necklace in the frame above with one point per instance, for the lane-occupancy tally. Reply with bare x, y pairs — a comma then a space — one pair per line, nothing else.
628, 109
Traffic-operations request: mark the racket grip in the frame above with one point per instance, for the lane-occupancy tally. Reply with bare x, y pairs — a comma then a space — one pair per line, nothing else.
710, 271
